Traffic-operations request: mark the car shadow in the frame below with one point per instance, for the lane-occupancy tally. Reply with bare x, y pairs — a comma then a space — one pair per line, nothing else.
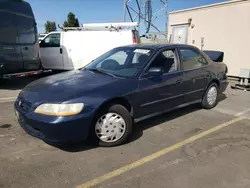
139, 127
137, 131
163, 118
74, 147
222, 97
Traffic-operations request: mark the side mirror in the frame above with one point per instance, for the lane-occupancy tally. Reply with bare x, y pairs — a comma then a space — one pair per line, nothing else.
155, 71
42, 44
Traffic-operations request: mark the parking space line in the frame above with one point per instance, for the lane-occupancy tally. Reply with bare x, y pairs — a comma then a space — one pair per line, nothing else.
8, 98
7, 101
156, 155
242, 112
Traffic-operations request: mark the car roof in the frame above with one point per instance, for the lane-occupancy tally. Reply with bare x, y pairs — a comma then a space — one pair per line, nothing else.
158, 46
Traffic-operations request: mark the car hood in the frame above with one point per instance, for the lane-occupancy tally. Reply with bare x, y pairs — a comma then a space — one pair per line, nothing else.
65, 86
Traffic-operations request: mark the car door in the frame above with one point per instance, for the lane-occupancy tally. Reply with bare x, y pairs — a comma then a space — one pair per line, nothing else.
195, 78
51, 52
159, 93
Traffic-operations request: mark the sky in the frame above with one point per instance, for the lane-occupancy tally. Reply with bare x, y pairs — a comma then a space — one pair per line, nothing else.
99, 11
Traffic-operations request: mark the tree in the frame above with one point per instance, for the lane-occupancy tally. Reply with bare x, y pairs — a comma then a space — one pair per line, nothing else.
50, 26
72, 21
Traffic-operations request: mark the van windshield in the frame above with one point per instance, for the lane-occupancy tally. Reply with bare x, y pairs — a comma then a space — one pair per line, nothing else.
121, 62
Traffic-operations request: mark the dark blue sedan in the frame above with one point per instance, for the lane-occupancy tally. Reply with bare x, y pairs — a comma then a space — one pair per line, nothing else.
123, 86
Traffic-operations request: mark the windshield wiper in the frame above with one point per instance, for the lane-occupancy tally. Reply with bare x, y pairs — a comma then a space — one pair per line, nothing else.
101, 71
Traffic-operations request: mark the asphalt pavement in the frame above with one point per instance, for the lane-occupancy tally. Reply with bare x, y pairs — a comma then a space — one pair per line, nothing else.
190, 147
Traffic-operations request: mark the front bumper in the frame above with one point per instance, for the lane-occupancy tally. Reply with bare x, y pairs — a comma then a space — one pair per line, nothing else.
56, 129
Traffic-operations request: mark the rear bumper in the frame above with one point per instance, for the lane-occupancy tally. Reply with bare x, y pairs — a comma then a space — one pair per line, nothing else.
23, 74
10, 67
223, 85
56, 129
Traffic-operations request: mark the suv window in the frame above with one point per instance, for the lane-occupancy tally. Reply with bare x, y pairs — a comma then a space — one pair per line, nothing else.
8, 29
26, 29
166, 60
52, 40
192, 59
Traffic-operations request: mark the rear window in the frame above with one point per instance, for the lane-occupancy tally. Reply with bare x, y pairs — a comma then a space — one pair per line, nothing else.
17, 29
26, 28
8, 28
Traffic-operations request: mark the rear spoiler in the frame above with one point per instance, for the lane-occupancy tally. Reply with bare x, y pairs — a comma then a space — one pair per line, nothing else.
216, 56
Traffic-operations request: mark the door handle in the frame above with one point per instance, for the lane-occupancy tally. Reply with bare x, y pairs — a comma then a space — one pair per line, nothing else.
25, 48
60, 50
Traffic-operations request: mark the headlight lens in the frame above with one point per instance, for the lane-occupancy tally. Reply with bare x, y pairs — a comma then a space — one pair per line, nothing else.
60, 109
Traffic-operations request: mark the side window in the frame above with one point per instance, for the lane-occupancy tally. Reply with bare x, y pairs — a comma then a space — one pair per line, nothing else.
191, 59
8, 28
26, 30
166, 60
52, 40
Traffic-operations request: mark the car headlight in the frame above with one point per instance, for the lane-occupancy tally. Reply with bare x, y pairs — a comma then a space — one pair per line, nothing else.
59, 109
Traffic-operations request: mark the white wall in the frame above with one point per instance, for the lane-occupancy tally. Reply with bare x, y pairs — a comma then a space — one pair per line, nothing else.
225, 27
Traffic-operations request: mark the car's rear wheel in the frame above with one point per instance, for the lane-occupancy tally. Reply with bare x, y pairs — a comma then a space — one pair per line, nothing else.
210, 98
112, 126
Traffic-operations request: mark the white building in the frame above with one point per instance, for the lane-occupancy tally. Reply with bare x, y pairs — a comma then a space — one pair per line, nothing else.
221, 27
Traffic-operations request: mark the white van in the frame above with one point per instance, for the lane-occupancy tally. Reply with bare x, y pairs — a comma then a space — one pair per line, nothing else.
73, 48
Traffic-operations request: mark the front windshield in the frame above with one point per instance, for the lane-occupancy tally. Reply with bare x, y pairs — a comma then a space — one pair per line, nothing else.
122, 62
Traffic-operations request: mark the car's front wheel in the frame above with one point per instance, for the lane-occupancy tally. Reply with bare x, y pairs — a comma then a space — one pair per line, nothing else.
210, 98
112, 126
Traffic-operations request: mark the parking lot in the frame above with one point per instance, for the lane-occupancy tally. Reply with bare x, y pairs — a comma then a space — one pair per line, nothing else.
190, 147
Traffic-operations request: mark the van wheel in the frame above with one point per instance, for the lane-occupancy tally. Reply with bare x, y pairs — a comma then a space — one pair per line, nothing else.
210, 98
113, 126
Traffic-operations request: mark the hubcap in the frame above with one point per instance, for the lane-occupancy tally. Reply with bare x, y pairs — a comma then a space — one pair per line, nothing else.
110, 127
212, 95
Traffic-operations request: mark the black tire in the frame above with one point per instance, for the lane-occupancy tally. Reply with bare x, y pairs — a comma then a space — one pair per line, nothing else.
205, 104
121, 111
1, 80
